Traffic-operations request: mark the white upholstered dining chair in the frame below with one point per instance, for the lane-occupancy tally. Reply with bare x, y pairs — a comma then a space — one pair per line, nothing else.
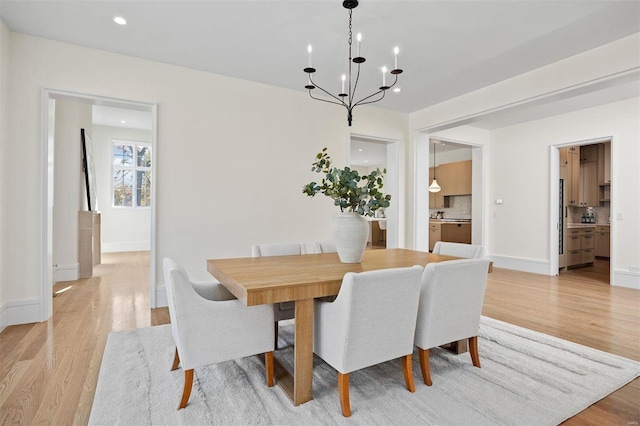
372, 320
450, 306
209, 326
467, 251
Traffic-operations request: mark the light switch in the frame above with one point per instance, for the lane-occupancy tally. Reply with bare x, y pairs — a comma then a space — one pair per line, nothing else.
499, 201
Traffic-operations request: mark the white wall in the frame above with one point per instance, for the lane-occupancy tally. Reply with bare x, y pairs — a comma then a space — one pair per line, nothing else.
122, 229
4, 162
68, 185
232, 156
520, 176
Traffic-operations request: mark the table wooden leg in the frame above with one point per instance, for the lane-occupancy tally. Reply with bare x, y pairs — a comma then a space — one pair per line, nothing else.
459, 347
303, 352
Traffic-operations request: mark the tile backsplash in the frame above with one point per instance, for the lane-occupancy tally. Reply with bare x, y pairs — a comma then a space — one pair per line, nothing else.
459, 208
602, 214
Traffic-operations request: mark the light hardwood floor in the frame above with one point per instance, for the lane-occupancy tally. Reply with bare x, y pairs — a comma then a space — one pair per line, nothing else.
48, 371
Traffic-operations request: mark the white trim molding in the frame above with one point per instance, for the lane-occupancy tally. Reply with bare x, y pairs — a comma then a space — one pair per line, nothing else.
534, 266
65, 272
628, 279
19, 312
161, 296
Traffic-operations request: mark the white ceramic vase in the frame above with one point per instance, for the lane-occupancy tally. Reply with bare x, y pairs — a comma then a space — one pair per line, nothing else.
350, 234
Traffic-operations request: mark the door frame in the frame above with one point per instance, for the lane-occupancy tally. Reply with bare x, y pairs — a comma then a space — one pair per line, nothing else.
47, 141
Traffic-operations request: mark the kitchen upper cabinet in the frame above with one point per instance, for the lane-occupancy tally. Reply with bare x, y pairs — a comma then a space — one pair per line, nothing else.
436, 199
572, 186
455, 178
588, 184
588, 153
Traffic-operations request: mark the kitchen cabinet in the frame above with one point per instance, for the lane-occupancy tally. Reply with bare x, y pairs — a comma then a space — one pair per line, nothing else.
602, 241
580, 246
588, 153
588, 189
455, 178
572, 186
434, 234
456, 232
604, 163
436, 199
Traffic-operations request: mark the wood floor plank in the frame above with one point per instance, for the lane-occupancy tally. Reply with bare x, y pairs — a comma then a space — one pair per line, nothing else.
49, 371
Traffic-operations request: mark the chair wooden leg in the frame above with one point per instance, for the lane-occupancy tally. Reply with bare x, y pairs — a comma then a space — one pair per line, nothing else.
424, 366
275, 343
408, 373
343, 393
473, 350
176, 361
268, 365
188, 384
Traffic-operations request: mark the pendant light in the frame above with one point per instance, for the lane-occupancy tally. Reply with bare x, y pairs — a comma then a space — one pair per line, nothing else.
434, 185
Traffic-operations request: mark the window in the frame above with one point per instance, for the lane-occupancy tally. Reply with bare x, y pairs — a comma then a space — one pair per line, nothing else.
131, 174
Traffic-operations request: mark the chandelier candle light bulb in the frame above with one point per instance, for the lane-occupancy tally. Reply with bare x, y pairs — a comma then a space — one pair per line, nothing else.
344, 78
384, 71
359, 37
309, 50
395, 52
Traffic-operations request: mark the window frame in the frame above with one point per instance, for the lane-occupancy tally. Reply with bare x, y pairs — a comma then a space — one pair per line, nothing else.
134, 168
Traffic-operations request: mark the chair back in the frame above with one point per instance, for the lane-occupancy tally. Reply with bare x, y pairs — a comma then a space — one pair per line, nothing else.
378, 318
450, 301
174, 276
276, 249
468, 251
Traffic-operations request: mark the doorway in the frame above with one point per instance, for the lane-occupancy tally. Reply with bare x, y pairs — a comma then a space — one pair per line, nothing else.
48, 148
366, 153
582, 194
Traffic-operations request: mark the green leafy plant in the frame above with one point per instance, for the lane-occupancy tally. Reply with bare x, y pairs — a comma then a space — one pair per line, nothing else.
349, 191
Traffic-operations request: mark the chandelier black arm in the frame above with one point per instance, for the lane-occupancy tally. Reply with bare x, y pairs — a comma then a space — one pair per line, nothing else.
360, 102
327, 100
355, 85
340, 101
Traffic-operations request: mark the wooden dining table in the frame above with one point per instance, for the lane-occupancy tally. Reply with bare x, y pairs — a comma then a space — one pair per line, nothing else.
301, 279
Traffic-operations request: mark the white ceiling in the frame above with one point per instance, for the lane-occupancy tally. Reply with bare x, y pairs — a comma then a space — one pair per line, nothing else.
447, 48
120, 117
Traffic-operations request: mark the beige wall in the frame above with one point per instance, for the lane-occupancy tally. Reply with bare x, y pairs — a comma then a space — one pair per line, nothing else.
69, 185
232, 156
4, 161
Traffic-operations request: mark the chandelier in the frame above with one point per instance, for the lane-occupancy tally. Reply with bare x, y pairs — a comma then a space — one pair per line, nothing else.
347, 98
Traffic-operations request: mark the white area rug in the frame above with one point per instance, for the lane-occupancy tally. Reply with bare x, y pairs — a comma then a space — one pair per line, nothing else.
527, 378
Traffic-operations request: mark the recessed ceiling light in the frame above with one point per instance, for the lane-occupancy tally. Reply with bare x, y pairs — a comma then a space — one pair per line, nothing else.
123, 121
397, 90
120, 20
360, 150
366, 161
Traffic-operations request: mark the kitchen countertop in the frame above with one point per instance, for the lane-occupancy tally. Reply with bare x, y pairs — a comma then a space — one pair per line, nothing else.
454, 221
585, 225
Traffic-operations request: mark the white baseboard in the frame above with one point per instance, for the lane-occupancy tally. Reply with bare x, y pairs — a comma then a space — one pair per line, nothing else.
129, 246
161, 297
65, 273
19, 312
521, 264
626, 279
